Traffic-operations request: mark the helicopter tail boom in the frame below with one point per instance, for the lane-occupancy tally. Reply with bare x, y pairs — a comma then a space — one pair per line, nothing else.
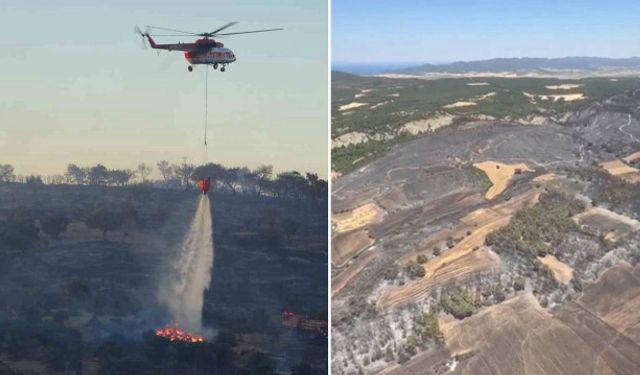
152, 43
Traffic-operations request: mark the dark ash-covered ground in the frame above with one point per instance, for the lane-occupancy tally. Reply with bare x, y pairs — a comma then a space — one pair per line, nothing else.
433, 205
79, 304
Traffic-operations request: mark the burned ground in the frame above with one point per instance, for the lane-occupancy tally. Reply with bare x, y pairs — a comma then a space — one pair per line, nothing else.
437, 216
85, 304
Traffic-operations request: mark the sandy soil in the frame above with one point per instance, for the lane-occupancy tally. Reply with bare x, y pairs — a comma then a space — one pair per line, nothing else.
335, 175
486, 96
566, 97
561, 272
470, 103
500, 174
565, 86
358, 218
459, 104
428, 124
631, 157
617, 167
545, 178
352, 138
351, 106
381, 104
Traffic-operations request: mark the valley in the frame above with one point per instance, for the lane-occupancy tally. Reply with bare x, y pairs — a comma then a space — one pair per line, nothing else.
506, 228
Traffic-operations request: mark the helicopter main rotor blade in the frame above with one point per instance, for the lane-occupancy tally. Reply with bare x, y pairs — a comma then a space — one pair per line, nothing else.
250, 32
174, 30
221, 28
167, 35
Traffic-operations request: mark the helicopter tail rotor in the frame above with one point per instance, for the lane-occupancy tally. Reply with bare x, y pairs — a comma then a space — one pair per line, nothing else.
142, 35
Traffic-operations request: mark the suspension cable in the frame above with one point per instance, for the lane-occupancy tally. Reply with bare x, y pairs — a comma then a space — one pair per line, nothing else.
206, 109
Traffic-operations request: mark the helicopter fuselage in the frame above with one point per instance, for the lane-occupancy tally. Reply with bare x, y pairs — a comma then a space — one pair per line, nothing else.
210, 56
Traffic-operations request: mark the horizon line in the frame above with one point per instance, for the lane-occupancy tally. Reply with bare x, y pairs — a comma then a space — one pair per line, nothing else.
435, 62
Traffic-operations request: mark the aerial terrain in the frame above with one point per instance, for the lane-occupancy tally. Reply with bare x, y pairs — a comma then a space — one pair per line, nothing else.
487, 223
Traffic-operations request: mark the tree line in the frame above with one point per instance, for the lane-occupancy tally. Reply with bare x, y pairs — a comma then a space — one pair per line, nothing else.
261, 181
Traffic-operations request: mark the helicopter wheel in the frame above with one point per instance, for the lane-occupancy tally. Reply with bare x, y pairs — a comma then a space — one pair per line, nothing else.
223, 69
190, 68
215, 66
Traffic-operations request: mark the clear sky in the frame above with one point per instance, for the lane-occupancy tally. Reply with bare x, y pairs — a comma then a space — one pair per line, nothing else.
453, 30
77, 87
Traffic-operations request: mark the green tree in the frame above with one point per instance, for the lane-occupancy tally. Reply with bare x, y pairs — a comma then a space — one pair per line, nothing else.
458, 303
415, 270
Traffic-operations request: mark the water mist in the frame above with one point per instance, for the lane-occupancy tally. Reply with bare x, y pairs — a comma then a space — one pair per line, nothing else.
185, 293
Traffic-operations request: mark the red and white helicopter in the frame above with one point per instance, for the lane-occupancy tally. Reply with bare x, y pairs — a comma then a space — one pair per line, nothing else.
203, 51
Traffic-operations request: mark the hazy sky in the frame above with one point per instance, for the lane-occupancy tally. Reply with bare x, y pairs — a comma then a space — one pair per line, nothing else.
77, 87
450, 30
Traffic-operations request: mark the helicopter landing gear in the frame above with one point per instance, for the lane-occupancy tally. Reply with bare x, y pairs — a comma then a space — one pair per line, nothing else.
223, 69
190, 68
215, 66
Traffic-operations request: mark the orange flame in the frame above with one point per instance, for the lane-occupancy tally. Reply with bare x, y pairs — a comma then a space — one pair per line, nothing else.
176, 334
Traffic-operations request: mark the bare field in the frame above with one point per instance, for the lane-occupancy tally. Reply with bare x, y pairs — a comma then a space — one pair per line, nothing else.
547, 177
351, 106
537, 342
339, 281
615, 298
481, 260
358, 218
500, 175
487, 221
602, 222
561, 271
619, 169
347, 245
631, 157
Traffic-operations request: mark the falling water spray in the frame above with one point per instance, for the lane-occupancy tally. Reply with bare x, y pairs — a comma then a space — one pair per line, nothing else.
185, 293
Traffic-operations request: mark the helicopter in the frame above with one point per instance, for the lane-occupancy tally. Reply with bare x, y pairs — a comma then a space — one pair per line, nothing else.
204, 51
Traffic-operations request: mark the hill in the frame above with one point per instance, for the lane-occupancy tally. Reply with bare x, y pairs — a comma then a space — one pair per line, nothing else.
372, 114
529, 65
490, 246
